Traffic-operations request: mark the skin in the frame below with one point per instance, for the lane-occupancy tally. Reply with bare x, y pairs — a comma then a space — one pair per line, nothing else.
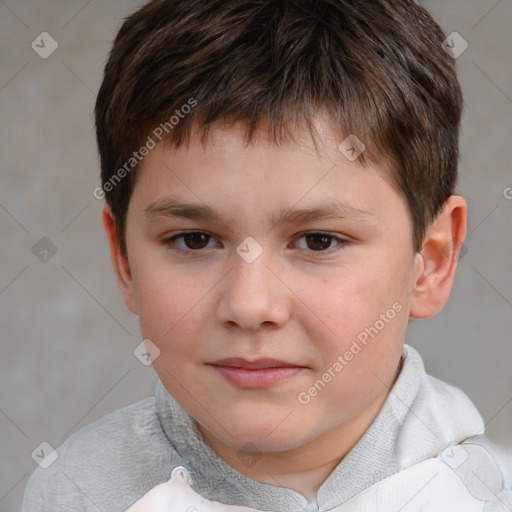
300, 301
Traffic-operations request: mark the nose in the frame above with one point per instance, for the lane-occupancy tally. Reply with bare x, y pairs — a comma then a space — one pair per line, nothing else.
253, 295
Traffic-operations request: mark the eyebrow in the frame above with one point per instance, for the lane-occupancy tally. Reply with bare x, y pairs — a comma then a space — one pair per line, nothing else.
330, 210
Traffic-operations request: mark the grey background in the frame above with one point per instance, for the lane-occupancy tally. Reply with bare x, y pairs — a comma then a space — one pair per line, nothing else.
66, 338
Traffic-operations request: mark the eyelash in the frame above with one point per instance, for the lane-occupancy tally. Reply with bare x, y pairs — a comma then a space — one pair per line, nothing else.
170, 242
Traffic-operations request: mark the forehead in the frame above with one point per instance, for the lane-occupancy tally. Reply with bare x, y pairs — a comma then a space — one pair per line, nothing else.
321, 134
224, 169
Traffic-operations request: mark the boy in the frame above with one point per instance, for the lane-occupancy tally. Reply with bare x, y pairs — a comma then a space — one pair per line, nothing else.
279, 179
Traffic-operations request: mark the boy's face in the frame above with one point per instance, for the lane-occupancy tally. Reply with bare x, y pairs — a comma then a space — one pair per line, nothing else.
306, 300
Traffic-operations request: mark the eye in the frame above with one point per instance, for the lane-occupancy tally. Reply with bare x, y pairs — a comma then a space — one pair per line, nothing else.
320, 242
191, 241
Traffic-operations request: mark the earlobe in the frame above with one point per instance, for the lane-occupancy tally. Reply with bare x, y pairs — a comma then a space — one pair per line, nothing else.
119, 260
437, 260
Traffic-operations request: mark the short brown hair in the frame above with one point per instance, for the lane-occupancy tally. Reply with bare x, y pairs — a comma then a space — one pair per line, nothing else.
378, 67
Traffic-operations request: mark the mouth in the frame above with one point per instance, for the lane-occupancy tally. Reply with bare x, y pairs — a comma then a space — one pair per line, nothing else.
256, 374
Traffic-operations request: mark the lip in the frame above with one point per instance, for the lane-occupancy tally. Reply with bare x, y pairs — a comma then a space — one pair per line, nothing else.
256, 364
256, 374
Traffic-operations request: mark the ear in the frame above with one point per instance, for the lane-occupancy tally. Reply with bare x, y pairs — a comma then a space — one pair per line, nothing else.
437, 260
119, 260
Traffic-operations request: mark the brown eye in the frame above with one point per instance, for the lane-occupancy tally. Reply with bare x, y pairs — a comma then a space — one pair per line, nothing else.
196, 240
318, 241
188, 241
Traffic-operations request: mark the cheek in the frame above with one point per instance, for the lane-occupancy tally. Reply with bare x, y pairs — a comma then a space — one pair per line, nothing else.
360, 314
168, 304
351, 298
